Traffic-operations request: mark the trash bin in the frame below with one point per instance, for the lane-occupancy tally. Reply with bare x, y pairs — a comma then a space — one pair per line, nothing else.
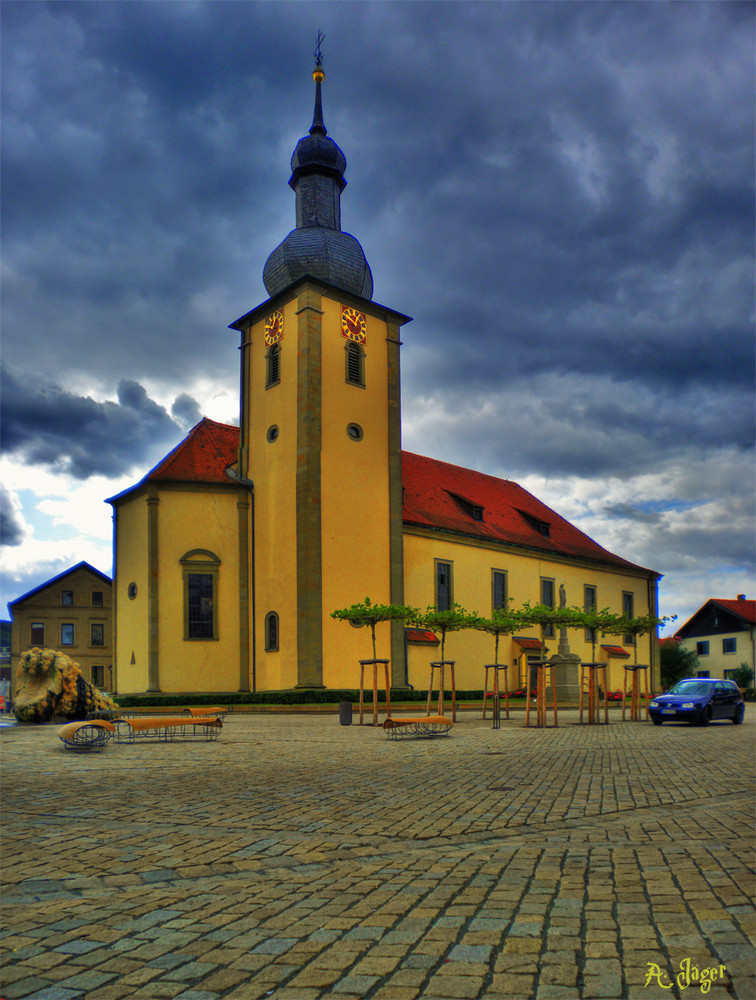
345, 713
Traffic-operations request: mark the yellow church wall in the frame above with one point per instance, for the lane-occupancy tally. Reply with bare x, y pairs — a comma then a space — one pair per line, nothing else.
272, 469
472, 567
355, 498
132, 614
188, 520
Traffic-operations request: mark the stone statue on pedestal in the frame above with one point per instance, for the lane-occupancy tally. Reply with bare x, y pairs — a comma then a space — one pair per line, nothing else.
566, 664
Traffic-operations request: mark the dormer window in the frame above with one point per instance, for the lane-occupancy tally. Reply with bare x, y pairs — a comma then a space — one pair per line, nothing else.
473, 510
542, 527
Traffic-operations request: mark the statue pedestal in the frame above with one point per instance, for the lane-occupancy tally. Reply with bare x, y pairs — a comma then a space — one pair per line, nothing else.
567, 675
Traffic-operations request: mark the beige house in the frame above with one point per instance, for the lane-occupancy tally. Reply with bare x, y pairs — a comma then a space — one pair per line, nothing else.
722, 634
71, 613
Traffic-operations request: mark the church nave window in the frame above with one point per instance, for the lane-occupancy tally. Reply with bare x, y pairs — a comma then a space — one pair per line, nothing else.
443, 588
271, 631
200, 594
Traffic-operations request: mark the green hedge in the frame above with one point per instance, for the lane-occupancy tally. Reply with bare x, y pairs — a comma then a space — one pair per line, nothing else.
329, 696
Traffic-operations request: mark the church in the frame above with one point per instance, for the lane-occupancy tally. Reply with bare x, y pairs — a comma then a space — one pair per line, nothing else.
231, 554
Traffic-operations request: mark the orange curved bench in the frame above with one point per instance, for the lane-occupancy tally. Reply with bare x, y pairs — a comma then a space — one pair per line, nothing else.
218, 713
89, 735
427, 725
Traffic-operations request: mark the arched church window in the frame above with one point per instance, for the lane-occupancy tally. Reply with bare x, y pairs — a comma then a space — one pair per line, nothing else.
271, 631
272, 365
355, 363
200, 569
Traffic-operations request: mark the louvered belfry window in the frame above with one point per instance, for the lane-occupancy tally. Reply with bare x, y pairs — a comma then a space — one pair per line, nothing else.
355, 364
272, 365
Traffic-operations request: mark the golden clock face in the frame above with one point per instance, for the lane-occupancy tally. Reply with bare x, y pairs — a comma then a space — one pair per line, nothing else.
274, 328
353, 325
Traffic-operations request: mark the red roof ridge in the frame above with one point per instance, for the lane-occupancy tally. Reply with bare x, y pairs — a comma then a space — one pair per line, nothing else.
745, 608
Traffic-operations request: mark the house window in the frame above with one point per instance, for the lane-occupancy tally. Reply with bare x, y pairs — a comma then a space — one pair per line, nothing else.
98, 635
547, 599
729, 645
97, 601
98, 676
200, 594
702, 673
702, 648
271, 631
37, 634
443, 585
272, 365
498, 589
628, 612
355, 363
66, 634
66, 598
589, 606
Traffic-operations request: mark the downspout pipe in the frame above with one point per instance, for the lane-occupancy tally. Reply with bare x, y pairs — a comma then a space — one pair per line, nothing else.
243, 481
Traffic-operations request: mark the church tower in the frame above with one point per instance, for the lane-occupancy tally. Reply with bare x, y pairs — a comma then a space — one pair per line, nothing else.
320, 439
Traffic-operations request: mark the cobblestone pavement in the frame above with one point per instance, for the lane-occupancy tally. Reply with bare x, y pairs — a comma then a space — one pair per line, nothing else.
299, 859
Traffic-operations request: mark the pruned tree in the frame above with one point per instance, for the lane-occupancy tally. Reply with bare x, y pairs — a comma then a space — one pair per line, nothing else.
367, 613
456, 619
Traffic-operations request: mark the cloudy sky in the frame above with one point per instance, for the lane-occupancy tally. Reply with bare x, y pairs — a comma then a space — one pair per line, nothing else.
560, 194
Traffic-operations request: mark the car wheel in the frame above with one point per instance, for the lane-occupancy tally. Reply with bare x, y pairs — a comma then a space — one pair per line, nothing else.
705, 717
656, 722
739, 713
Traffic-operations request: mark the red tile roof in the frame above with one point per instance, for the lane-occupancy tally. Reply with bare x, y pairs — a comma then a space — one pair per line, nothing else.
509, 513
745, 609
527, 643
202, 457
615, 650
421, 635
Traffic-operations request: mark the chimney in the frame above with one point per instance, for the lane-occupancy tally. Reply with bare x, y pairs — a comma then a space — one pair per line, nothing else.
741, 597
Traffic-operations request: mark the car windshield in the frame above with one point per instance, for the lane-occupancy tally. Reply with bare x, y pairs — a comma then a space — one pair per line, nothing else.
690, 687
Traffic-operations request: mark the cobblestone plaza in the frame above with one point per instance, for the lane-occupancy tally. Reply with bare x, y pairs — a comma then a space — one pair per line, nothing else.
297, 859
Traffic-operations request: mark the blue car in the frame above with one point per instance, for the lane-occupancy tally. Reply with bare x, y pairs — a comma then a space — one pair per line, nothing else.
698, 700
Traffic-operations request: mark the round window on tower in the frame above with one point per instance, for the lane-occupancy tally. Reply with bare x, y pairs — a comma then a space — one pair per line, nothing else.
272, 434
354, 431
131, 590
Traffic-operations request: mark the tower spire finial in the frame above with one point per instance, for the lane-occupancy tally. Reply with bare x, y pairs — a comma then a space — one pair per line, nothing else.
318, 125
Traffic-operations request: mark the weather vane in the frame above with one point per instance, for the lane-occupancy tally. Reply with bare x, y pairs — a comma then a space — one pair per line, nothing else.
317, 53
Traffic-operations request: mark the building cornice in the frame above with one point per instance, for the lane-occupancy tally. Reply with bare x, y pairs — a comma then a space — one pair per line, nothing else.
526, 550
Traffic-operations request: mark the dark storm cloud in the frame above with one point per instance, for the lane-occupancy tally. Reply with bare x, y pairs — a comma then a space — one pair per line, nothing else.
186, 410
566, 187
82, 437
11, 523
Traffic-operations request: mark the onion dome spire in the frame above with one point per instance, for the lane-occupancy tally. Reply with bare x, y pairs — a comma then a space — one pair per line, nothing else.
318, 75
317, 246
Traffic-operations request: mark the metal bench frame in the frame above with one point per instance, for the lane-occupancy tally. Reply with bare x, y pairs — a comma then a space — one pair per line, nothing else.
166, 729
426, 727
